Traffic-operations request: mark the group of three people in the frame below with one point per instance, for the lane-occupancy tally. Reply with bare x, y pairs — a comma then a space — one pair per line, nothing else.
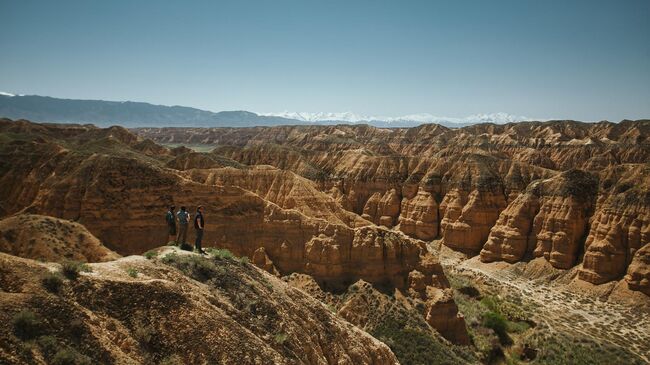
182, 217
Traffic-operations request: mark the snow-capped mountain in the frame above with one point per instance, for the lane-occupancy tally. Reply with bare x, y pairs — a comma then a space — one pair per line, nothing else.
349, 117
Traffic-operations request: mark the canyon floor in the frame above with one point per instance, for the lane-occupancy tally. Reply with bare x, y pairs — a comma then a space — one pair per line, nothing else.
593, 328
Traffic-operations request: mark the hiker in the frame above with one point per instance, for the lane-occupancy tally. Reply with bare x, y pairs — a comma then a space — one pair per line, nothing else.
199, 224
183, 219
171, 224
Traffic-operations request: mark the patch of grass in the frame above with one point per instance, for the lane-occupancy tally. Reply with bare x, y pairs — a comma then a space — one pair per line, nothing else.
196, 267
133, 272
559, 349
280, 338
414, 346
27, 324
220, 253
244, 260
71, 269
172, 360
52, 282
49, 345
151, 254
498, 324
69, 356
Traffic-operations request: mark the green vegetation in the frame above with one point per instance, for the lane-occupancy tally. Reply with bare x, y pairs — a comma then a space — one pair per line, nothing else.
194, 266
502, 332
560, 349
68, 356
133, 272
71, 269
27, 324
151, 254
220, 253
52, 282
49, 345
497, 323
280, 338
414, 345
172, 360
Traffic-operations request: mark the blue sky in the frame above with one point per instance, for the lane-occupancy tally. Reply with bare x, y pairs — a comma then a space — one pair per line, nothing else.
586, 60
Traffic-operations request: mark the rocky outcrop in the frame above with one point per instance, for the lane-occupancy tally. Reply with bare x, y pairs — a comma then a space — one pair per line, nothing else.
549, 220
241, 315
509, 238
429, 284
620, 225
638, 273
50, 239
419, 216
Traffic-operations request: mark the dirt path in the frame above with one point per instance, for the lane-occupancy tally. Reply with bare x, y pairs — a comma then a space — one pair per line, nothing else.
562, 309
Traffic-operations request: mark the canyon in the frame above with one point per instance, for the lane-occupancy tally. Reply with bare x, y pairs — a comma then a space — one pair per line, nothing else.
347, 214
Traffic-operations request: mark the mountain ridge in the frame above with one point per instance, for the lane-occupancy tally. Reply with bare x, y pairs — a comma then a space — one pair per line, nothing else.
142, 114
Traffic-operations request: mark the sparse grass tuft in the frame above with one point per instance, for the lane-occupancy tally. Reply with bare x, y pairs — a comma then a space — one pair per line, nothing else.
221, 253
196, 267
71, 269
49, 345
133, 272
150, 254
280, 338
27, 324
69, 356
52, 282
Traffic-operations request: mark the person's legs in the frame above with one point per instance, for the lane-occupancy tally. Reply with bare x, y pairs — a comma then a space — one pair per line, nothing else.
183, 234
180, 233
197, 242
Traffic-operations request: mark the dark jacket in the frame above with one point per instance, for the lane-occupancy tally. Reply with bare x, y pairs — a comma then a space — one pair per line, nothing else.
199, 218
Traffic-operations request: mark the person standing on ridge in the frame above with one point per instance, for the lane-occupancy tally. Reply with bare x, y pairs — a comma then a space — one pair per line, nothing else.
171, 224
183, 219
199, 224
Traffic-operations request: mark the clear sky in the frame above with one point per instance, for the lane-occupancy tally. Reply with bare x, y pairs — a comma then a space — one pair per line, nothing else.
585, 60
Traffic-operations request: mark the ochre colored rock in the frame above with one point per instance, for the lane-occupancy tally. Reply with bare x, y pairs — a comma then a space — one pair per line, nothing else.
50, 239
638, 273
620, 225
468, 217
419, 216
508, 239
240, 313
262, 260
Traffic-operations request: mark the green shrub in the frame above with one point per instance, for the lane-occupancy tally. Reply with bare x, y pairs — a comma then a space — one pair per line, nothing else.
71, 269
69, 356
52, 282
196, 267
244, 260
133, 272
27, 324
221, 253
498, 324
150, 254
49, 345
280, 338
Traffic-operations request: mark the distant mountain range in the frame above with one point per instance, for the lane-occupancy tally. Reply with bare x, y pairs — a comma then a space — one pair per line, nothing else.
137, 114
